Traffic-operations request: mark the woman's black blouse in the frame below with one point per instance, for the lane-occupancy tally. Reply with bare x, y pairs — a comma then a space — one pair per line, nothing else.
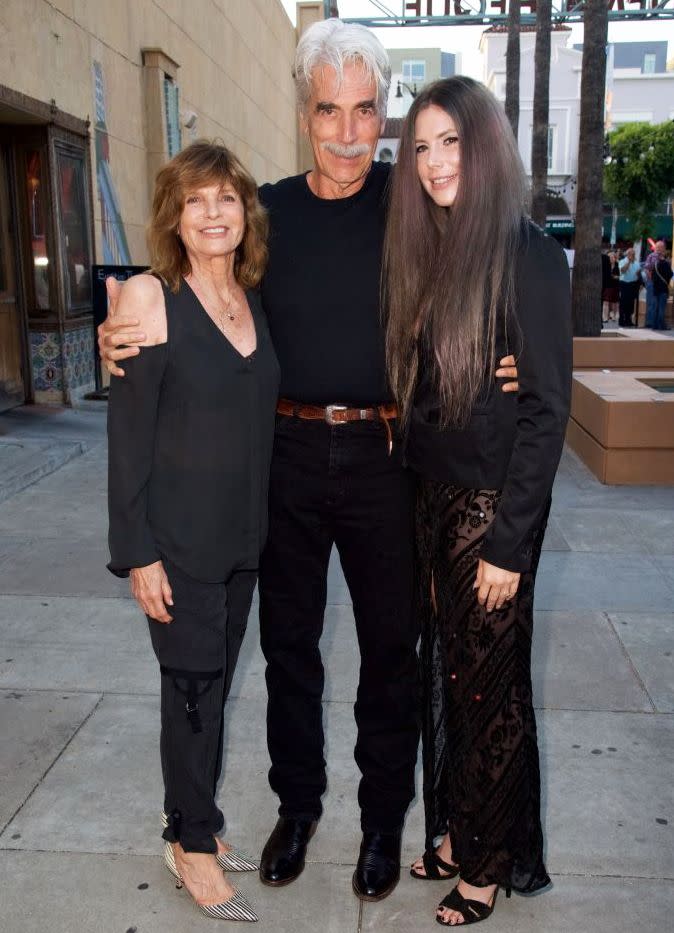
190, 430
511, 442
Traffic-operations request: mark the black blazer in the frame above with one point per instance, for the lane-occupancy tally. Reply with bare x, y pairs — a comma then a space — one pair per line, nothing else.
511, 442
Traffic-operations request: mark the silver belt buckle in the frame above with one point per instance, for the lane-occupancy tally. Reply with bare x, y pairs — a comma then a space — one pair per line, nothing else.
330, 412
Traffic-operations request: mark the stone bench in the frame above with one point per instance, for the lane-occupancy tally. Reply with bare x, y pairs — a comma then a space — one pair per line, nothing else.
622, 425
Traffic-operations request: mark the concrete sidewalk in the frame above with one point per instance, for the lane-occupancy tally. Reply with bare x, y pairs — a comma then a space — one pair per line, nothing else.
36, 440
80, 781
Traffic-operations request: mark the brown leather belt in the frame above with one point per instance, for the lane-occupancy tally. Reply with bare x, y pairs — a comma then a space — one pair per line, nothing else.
340, 414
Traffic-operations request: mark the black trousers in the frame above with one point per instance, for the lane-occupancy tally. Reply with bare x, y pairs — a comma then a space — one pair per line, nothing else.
628, 293
197, 653
338, 484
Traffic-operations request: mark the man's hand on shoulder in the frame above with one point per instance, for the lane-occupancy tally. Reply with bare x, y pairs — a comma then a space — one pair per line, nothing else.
135, 310
508, 370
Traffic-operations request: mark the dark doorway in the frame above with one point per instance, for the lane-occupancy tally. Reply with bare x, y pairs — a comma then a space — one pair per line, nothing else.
12, 319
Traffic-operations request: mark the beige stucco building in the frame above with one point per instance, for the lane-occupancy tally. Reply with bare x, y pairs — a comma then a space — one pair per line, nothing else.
94, 97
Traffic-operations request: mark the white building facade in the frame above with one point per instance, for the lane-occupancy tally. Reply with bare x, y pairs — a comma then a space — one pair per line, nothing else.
638, 88
411, 70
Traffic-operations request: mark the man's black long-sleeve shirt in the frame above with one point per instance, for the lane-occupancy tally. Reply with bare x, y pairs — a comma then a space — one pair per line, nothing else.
321, 291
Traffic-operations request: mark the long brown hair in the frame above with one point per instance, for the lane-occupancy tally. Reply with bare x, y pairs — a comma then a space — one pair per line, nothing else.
449, 272
200, 164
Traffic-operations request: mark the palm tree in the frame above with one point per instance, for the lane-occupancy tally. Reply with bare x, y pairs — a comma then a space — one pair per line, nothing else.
512, 88
587, 260
539, 135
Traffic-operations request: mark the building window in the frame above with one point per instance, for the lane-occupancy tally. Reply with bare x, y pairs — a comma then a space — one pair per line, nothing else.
37, 224
551, 147
649, 64
172, 112
74, 234
414, 71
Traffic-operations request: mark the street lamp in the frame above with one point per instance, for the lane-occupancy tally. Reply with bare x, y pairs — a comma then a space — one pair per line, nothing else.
399, 90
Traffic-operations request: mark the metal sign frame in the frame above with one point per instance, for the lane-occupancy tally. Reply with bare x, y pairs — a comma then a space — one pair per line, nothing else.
495, 12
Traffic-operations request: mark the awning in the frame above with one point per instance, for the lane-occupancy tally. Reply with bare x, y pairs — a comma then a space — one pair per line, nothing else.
662, 227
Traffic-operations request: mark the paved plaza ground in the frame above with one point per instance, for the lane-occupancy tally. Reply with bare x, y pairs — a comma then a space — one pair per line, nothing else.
80, 787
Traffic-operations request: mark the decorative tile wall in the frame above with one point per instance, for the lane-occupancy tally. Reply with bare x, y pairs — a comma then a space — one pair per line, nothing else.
49, 378
47, 370
79, 357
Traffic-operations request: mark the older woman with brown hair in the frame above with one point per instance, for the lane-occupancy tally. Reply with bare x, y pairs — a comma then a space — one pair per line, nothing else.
190, 428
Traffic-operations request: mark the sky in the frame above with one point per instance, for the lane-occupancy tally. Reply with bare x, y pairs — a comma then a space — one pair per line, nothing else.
465, 39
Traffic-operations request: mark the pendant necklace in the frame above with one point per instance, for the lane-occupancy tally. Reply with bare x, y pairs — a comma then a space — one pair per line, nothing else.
224, 312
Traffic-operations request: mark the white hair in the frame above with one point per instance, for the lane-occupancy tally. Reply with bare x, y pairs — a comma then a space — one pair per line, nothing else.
332, 42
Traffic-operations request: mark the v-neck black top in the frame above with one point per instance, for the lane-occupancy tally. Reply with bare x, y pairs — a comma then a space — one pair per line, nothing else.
190, 428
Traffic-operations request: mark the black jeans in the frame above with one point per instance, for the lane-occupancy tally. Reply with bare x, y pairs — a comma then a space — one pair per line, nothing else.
628, 292
338, 484
197, 653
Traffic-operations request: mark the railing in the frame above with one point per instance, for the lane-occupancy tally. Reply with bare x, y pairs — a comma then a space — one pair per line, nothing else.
495, 12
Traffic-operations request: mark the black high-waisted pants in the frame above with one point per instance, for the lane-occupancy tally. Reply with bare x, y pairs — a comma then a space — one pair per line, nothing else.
197, 654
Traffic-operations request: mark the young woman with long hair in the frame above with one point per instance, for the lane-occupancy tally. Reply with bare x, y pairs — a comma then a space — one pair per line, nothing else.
468, 279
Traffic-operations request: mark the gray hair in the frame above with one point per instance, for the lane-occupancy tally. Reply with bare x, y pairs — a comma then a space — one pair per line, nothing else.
332, 42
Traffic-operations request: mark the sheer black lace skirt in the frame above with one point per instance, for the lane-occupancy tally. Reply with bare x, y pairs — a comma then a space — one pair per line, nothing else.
481, 772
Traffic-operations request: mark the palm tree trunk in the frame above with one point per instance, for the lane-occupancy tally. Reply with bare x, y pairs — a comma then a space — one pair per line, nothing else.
587, 261
512, 89
539, 135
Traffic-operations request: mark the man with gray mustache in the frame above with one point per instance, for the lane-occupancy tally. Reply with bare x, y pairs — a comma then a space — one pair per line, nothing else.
337, 473
345, 152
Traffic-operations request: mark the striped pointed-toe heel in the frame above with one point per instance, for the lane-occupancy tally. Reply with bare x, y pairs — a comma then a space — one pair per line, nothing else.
236, 908
232, 860
170, 862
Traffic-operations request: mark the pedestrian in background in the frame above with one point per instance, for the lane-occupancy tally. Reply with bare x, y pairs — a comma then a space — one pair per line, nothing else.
662, 276
658, 252
610, 279
630, 277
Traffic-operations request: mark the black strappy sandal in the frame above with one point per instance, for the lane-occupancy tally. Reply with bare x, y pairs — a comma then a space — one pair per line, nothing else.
432, 865
471, 911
